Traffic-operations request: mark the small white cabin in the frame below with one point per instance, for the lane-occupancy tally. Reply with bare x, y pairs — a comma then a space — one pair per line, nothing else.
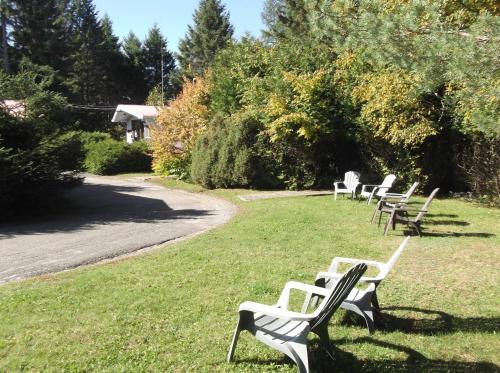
138, 119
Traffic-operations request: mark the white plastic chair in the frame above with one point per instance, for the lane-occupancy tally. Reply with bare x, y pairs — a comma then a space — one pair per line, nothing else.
287, 331
351, 182
362, 302
390, 200
377, 190
401, 214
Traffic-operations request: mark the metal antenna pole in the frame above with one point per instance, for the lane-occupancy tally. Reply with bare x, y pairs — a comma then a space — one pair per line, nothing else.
162, 94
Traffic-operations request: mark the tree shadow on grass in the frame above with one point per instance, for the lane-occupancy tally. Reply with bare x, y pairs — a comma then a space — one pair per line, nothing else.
442, 215
344, 361
414, 361
427, 233
431, 233
414, 320
449, 222
100, 204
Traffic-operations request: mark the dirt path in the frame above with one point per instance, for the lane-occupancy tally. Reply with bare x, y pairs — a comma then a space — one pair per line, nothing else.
109, 217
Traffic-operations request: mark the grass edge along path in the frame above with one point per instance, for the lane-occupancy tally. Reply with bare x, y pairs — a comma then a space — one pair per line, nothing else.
175, 309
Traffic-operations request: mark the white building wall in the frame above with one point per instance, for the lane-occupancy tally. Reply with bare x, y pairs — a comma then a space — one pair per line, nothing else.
130, 132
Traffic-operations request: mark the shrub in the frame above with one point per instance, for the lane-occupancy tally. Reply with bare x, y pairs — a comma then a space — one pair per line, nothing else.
37, 155
179, 167
108, 157
32, 171
292, 90
392, 110
481, 166
88, 138
204, 157
226, 155
68, 148
138, 157
177, 128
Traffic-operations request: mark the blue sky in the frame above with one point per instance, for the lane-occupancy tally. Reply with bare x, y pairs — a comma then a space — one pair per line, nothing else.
173, 16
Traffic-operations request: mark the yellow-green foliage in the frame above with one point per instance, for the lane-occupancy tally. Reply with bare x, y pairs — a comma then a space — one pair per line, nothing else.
460, 12
297, 112
178, 126
155, 97
391, 107
479, 107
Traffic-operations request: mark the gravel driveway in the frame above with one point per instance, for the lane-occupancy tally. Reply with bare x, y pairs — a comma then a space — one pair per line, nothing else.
108, 217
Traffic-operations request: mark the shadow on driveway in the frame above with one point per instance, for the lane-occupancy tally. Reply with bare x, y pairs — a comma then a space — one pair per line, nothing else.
100, 204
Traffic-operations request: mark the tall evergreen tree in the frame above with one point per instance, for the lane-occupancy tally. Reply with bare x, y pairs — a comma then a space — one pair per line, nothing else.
210, 33
132, 48
136, 89
5, 14
112, 63
285, 19
40, 35
86, 75
154, 49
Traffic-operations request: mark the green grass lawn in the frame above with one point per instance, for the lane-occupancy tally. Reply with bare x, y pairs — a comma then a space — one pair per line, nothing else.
175, 309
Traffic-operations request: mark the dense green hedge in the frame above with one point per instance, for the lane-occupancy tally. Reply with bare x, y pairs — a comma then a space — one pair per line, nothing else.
106, 156
227, 155
39, 153
356, 95
33, 170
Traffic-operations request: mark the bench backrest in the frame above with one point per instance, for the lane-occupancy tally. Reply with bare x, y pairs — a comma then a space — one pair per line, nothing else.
338, 293
351, 179
426, 204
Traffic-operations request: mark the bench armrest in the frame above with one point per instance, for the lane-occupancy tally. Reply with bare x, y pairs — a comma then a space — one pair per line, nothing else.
273, 311
364, 188
394, 195
335, 276
310, 289
337, 260
406, 208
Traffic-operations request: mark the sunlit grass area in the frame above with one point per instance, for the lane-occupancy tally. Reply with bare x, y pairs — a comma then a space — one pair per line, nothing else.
175, 309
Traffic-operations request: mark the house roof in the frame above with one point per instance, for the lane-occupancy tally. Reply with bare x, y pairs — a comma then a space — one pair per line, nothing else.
15, 108
123, 113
